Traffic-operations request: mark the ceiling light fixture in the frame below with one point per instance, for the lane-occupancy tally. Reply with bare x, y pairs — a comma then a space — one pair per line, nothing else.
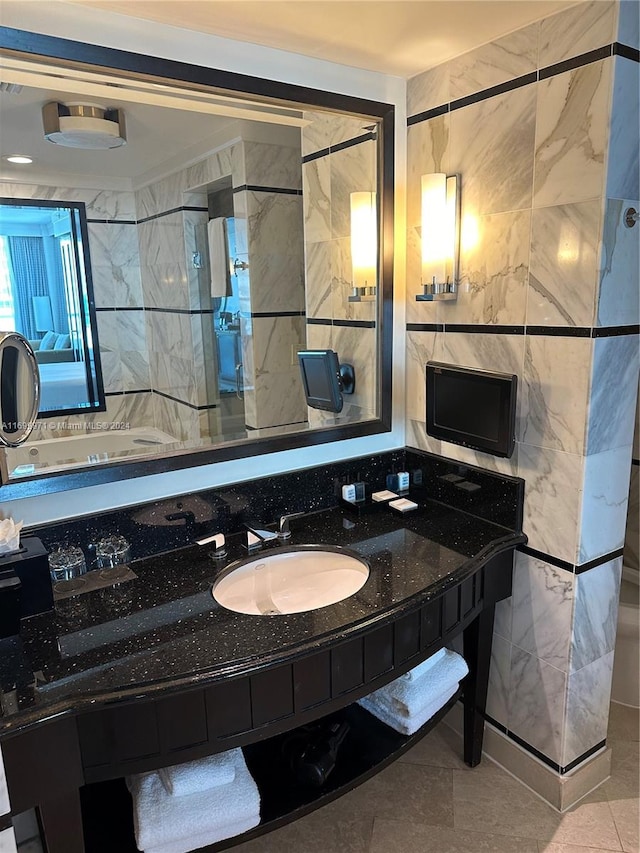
90, 126
18, 158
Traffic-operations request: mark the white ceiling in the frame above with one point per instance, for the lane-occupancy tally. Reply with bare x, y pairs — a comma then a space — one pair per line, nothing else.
400, 37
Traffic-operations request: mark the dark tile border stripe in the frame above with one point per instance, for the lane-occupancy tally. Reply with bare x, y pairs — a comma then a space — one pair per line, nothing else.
259, 314
184, 402
526, 80
254, 188
353, 324
540, 755
339, 146
635, 461
545, 331
576, 62
574, 568
121, 308
5, 822
628, 52
111, 221
614, 331
501, 89
171, 211
191, 311
124, 393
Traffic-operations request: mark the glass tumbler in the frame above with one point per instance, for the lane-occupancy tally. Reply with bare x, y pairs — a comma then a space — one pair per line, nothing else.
67, 562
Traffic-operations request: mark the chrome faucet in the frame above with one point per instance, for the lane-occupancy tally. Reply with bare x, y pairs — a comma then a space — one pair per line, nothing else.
283, 525
256, 537
218, 541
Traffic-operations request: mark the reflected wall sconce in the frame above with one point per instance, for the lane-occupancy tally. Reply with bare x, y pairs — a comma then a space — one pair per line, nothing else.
440, 237
364, 246
631, 216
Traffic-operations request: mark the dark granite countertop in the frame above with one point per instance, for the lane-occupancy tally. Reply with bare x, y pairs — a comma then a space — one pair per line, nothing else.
163, 631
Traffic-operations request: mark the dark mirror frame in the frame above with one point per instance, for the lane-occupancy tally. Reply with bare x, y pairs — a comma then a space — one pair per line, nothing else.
26, 45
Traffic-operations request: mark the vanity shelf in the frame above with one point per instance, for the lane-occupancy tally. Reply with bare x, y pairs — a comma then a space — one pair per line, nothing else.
369, 747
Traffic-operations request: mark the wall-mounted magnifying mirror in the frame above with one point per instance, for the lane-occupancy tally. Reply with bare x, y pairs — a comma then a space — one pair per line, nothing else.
19, 389
168, 274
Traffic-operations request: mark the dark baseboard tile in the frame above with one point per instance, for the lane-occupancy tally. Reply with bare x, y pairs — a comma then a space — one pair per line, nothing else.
574, 568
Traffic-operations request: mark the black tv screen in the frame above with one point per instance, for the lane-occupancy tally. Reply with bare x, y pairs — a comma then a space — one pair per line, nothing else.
475, 408
320, 370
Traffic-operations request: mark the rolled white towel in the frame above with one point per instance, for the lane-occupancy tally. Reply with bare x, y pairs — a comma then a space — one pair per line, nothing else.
402, 724
409, 697
420, 670
203, 839
160, 818
210, 772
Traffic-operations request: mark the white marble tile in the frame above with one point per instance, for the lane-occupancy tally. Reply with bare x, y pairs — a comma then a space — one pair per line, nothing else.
429, 89
416, 436
537, 703
279, 399
100, 204
357, 346
623, 174
497, 62
277, 279
614, 387
318, 288
162, 240
499, 680
587, 708
112, 371
604, 502
8, 841
629, 23
427, 152
274, 340
173, 375
269, 165
164, 285
274, 221
492, 146
104, 288
134, 366
571, 135
316, 194
502, 619
326, 129
555, 392
552, 499
542, 605
421, 348
352, 170
113, 245
131, 331
596, 613
107, 331
564, 259
418, 312
619, 293
5, 806
579, 29
493, 272
169, 333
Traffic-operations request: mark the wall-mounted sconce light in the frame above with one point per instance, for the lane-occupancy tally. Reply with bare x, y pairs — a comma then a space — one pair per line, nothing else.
364, 246
440, 237
631, 216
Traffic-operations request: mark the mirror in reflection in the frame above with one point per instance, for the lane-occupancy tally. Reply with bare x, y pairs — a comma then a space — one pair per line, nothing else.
220, 246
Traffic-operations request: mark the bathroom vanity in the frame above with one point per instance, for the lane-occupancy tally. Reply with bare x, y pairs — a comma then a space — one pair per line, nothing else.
153, 672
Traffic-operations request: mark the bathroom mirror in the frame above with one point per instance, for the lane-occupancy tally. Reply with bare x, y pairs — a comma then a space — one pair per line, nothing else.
228, 222
19, 389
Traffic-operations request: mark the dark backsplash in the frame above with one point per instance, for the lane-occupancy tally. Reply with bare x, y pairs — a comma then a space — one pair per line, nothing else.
171, 523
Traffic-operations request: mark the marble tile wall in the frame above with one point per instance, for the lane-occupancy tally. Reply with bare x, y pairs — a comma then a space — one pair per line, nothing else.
632, 534
546, 170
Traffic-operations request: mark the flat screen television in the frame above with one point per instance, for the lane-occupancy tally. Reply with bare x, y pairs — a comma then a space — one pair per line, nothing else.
475, 408
321, 380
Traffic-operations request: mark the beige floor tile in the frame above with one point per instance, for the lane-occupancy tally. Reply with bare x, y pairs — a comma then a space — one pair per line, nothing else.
442, 747
622, 792
626, 816
624, 723
490, 798
391, 836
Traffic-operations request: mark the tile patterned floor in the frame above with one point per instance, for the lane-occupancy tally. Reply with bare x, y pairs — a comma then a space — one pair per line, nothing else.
430, 802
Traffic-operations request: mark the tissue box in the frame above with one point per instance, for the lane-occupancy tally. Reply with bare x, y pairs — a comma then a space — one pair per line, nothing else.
30, 564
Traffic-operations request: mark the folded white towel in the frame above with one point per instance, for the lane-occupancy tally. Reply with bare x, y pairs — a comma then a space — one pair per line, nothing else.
409, 697
406, 725
219, 257
203, 839
419, 670
160, 818
210, 772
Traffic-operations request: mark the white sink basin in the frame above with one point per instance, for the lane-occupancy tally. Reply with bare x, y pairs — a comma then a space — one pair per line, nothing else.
290, 581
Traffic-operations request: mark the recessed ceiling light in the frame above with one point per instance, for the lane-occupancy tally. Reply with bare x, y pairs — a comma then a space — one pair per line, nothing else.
18, 158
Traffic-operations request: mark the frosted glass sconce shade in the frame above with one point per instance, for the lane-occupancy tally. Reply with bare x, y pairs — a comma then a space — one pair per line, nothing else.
364, 245
440, 236
42, 313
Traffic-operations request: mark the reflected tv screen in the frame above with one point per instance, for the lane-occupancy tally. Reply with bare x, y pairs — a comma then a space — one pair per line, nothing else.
475, 408
320, 370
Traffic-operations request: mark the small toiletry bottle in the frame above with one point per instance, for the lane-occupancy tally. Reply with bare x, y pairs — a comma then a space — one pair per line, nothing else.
403, 481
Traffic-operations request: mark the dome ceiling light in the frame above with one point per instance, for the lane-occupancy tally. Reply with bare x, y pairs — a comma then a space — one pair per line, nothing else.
81, 125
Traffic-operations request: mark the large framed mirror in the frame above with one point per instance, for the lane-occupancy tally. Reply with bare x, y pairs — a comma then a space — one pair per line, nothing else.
220, 224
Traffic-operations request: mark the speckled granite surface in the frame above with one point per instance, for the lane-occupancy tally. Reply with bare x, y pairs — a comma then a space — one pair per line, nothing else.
164, 629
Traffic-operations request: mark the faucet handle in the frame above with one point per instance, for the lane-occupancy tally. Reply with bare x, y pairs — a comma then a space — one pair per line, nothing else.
219, 545
283, 525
